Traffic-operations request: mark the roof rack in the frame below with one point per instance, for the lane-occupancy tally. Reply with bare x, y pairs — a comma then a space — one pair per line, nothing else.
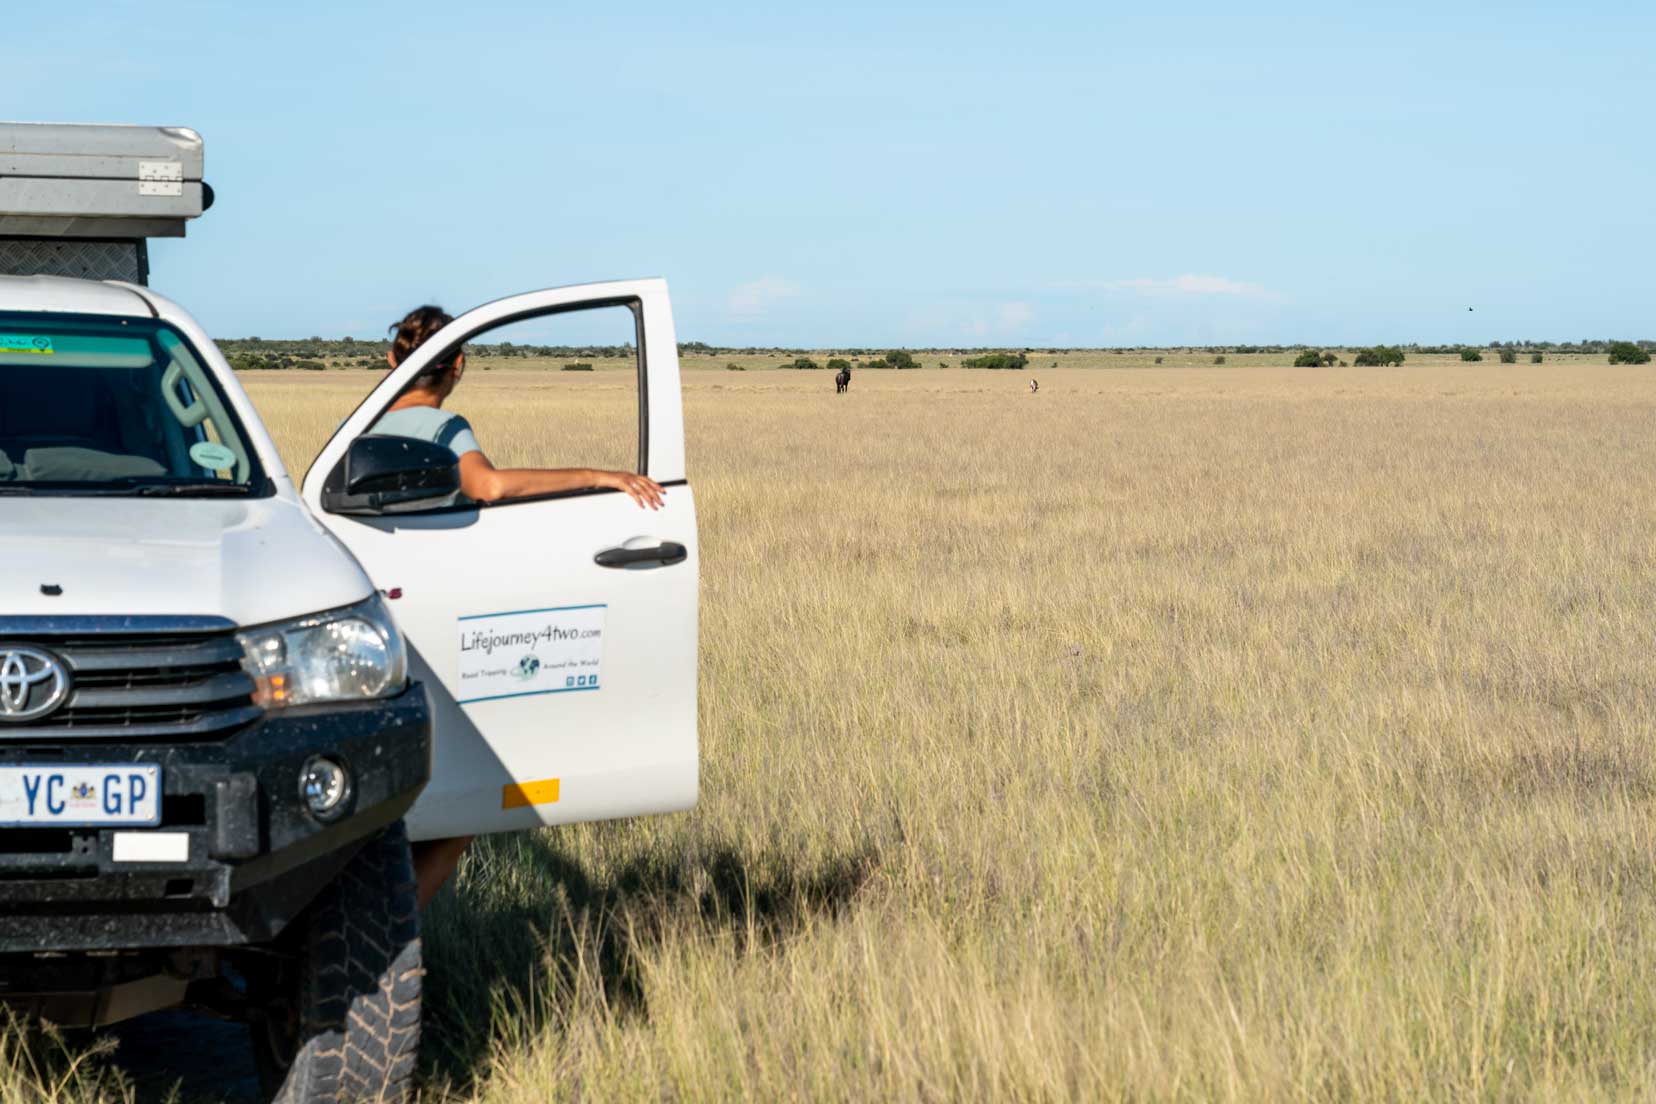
80, 200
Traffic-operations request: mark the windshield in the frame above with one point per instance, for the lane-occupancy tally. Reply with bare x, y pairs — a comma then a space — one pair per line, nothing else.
91, 404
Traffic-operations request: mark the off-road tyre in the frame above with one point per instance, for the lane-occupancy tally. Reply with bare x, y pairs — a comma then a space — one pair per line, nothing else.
343, 1023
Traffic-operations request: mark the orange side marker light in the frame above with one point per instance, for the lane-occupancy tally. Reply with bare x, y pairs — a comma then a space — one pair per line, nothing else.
518, 794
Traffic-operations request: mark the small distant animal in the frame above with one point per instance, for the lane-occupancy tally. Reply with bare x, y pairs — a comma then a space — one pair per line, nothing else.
842, 382
1034, 386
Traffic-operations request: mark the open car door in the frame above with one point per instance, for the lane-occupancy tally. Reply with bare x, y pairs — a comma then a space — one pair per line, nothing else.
556, 635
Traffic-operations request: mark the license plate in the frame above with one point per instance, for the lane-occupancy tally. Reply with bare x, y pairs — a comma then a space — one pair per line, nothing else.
81, 796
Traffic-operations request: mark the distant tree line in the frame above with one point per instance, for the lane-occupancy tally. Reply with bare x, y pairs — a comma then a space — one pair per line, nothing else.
267, 362
896, 358
248, 353
317, 353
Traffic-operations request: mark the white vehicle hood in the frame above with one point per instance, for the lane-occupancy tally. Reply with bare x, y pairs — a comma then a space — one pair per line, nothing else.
248, 560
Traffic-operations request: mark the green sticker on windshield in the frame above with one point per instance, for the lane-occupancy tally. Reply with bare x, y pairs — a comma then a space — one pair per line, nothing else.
212, 455
21, 343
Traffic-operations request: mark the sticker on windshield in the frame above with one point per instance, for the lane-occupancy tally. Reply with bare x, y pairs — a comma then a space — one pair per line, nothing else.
25, 343
543, 651
212, 455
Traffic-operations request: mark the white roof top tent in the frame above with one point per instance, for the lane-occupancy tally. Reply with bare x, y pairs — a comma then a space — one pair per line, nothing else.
80, 200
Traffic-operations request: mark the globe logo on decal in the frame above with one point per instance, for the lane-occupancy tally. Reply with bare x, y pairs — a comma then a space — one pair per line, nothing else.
32, 683
527, 668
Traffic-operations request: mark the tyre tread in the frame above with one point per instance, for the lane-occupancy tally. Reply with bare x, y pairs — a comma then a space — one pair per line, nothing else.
360, 997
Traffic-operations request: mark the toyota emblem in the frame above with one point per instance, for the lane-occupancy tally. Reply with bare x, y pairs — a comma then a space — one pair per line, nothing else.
32, 683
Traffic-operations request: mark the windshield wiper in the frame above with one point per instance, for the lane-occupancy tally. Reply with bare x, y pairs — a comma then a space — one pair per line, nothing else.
203, 487
134, 486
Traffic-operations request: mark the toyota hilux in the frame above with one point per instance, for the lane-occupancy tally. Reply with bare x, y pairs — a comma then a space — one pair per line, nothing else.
229, 698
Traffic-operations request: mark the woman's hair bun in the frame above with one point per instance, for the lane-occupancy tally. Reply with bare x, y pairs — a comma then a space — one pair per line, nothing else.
413, 331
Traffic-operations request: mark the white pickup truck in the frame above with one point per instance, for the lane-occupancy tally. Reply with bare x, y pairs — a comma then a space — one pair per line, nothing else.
229, 700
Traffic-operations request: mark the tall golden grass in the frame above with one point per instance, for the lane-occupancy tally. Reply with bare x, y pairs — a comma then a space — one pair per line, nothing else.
1237, 733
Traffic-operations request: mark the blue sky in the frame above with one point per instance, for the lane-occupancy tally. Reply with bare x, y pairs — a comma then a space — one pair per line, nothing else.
1039, 173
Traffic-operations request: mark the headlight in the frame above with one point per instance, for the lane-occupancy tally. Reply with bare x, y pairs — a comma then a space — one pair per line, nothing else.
342, 655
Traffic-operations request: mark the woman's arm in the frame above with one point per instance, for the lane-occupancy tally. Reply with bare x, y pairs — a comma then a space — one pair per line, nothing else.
482, 481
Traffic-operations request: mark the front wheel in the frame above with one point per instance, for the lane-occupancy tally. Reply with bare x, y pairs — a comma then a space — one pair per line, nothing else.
343, 1022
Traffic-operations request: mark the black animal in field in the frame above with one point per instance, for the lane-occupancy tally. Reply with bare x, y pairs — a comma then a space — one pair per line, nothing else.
842, 382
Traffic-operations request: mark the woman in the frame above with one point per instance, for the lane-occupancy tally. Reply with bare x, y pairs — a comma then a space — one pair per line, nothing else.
418, 412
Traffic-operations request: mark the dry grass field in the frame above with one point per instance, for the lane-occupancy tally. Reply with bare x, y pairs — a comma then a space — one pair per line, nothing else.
1242, 733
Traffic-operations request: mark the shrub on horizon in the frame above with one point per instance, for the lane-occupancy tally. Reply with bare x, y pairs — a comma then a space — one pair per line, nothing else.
1309, 359
998, 361
1508, 356
1625, 352
1535, 358
1378, 356
579, 366
1470, 356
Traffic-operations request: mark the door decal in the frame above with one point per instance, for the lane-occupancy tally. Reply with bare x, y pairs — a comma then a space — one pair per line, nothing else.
527, 652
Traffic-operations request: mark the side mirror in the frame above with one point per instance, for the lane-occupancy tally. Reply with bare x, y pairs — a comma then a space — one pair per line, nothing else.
391, 475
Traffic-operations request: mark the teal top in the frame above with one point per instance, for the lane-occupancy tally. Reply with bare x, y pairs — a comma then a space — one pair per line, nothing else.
428, 423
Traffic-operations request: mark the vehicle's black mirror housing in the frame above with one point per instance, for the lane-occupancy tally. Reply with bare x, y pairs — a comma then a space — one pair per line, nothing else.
381, 474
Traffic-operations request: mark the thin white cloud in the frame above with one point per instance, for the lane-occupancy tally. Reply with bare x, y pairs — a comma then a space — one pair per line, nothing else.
1188, 284
1005, 319
755, 297
1013, 315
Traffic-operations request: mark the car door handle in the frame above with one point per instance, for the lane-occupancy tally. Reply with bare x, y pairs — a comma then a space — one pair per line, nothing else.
664, 554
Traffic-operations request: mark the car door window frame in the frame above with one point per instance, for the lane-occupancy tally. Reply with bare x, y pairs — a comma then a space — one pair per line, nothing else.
635, 307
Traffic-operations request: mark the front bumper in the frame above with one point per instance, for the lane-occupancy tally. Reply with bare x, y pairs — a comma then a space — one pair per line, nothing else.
256, 855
